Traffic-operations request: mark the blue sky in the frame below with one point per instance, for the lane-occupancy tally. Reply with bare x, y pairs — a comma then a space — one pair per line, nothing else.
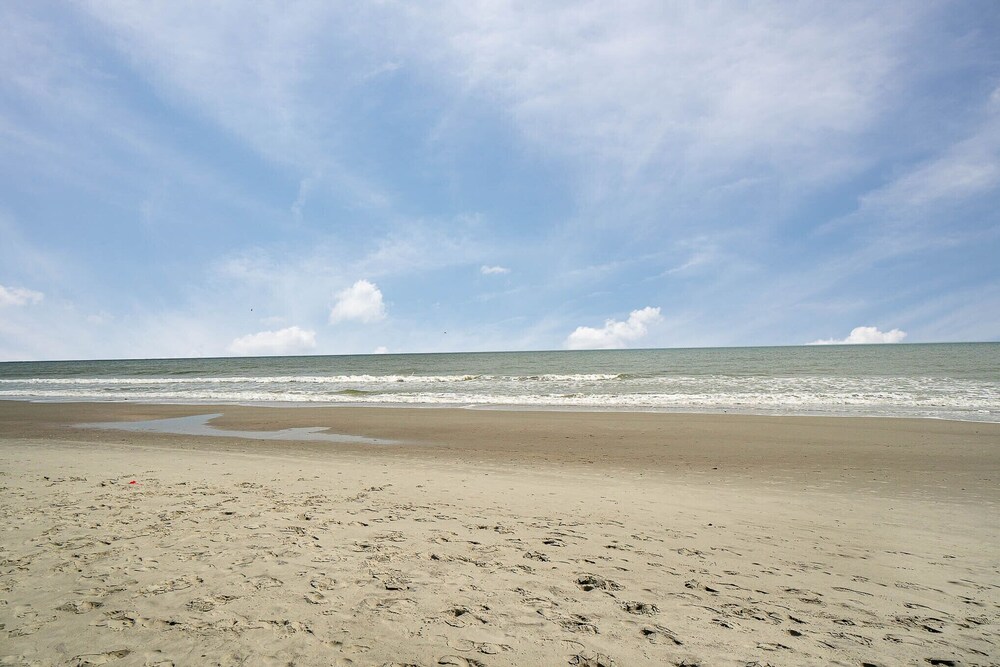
202, 179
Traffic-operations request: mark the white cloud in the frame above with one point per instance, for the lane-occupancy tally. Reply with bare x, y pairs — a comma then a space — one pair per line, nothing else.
381, 349
362, 301
865, 336
292, 340
493, 270
19, 296
614, 334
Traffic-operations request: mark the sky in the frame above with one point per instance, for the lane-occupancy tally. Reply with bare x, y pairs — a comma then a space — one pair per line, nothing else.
231, 178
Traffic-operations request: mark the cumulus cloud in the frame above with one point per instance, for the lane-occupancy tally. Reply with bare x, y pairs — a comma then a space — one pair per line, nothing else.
614, 334
865, 336
292, 340
362, 301
493, 270
381, 349
18, 296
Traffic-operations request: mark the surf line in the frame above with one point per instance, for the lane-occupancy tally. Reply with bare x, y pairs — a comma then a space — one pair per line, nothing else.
198, 425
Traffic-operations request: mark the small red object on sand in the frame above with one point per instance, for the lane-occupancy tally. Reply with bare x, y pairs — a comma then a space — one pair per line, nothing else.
133, 482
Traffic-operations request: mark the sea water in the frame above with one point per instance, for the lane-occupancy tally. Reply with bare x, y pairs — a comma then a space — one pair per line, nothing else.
950, 380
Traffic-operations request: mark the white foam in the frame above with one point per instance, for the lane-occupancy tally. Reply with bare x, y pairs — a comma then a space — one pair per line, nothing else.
902, 396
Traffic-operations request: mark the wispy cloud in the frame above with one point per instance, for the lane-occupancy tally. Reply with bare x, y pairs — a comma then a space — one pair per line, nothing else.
646, 92
493, 270
915, 200
199, 58
865, 336
19, 296
614, 334
701, 252
707, 86
254, 71
968, 168
421, 245
292, 340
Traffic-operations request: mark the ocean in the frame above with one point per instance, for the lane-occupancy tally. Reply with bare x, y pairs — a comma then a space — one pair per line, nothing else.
948, 380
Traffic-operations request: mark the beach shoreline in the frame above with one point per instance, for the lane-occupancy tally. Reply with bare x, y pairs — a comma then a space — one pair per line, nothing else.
904, 453
492, 537
982, 418
944, 381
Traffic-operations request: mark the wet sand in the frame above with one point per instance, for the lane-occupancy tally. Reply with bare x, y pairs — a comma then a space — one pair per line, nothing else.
497, 538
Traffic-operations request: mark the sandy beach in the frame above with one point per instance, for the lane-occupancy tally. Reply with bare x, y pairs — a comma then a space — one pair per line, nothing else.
485, 537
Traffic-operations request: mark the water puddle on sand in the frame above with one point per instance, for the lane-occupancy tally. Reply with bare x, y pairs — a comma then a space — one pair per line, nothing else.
198, 425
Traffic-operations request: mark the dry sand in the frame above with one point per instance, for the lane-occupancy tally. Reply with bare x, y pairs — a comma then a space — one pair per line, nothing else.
497, 538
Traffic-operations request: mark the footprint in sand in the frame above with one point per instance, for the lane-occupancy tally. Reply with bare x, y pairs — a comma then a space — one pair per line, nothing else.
459, 617
927, 624
641, 608
90, 659
208, 603
354, 649
263, 581
658, 634
157, 661
118, 620
18, 661
315, 597
589, 582
459, 661
592, 660
773, 646
101, 591
288, 627
486, 648
323, 583
31, 625
572, 622
388, 605
169, 586
80, 606
393, 580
